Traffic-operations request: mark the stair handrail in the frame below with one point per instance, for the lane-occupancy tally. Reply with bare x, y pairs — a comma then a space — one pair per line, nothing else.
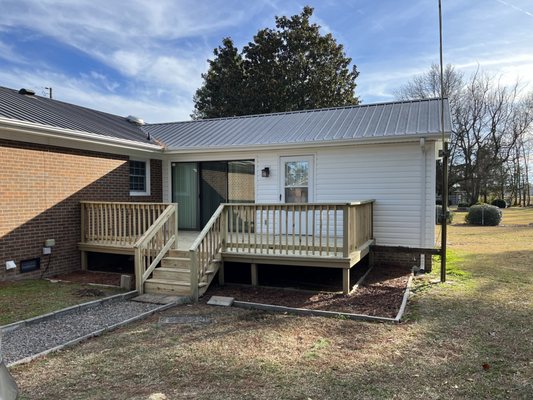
152, 246
207, 247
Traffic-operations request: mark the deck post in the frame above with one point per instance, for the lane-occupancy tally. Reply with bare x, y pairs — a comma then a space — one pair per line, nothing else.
221, 280
84, 261
346, 231
345, 281
254, 274
194, 275
139, 284
176, 225
223, 233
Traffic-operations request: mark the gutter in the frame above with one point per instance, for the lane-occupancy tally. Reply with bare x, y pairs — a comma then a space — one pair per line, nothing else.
52, 132
305, 145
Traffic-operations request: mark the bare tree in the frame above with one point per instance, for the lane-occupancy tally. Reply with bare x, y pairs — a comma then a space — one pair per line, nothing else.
490, 124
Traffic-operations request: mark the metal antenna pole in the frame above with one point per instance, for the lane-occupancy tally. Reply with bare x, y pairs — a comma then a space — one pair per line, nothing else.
444, 162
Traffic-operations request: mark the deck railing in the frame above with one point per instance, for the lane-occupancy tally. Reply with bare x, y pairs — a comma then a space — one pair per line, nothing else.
117, 223
207, 247
153, 245
312, 229
319, 230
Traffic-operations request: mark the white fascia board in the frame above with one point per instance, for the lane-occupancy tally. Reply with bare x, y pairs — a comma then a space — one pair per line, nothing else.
305, 145
15, 126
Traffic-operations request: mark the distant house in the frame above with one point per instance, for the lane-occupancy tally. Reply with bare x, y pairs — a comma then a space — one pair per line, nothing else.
314, 188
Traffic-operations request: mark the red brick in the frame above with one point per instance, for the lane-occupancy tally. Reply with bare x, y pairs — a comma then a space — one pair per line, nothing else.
40, 190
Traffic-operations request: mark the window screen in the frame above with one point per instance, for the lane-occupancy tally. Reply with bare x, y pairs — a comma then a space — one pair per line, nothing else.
137, 176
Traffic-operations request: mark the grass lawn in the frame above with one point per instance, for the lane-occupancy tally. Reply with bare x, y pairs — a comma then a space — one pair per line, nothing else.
471, 338
25, 299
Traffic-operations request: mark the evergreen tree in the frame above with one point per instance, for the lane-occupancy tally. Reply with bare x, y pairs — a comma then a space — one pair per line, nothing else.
291, 67
220, 95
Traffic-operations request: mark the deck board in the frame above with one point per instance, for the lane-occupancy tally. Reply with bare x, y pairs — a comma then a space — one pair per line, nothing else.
279, 250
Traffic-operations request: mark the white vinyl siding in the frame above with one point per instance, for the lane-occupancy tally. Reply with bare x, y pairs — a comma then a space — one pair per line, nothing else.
389, 173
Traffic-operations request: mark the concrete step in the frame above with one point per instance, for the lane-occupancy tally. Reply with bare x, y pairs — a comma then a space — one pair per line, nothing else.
178, 253
176, 262
172, 274
163, 286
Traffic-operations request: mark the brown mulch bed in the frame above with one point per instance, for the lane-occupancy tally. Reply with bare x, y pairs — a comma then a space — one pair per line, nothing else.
380, 295
101, 278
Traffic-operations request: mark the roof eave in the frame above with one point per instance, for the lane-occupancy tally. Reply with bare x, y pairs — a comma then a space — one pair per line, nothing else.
326, 143
74, 135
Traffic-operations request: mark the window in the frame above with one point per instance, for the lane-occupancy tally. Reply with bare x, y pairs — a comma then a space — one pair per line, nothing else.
139, 178
30, 265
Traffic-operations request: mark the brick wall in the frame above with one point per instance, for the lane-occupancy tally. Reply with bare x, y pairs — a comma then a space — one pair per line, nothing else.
407, 260
40, 190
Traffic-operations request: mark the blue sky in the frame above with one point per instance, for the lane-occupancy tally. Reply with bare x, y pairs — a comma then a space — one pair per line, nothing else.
145, 57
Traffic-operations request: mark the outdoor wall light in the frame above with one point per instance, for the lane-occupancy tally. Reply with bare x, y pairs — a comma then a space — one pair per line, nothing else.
265, 172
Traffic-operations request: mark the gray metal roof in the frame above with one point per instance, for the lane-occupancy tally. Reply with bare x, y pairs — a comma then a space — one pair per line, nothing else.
45, 111
385, 120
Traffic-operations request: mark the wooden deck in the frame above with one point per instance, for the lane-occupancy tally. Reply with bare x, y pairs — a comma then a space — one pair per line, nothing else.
172, 262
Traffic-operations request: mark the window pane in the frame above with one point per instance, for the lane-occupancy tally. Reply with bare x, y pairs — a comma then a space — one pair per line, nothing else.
138, 176
296, 195
296, 173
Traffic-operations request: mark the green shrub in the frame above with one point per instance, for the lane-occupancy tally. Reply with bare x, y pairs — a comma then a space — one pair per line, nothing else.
484, 214
439, 215
499, 203
463, 205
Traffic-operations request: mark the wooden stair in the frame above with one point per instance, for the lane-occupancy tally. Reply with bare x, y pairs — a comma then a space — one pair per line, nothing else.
173, 276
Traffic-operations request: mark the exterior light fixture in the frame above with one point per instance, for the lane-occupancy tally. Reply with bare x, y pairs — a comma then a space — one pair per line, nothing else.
265, 172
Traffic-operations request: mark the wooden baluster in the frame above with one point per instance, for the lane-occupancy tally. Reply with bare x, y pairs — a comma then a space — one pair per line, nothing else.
327, 230
307, 229
139, 221
280, 229
261, 240
335, 236
313, 228
267, 227
243, 230
293, 220
256, 227
93, 223
286, 229
300, 229
321, 229
250, 210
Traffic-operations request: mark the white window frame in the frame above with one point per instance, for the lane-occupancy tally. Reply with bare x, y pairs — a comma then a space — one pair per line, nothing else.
147, 178
311, 178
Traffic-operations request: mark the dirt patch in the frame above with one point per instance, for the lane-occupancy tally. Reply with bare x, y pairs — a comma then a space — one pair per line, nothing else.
101, 278
380, 295
89, 292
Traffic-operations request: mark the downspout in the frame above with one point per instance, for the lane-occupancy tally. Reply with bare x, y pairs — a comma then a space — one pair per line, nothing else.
423, 201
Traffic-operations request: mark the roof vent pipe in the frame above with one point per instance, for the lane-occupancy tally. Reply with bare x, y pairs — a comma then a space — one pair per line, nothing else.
27, 92
135, 120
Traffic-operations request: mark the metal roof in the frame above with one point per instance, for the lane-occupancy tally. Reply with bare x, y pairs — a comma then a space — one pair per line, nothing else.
385, 121
45, 111
364, 122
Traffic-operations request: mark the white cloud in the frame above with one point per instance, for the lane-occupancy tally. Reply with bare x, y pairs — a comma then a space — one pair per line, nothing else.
160, 48
8, 53
84, 91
